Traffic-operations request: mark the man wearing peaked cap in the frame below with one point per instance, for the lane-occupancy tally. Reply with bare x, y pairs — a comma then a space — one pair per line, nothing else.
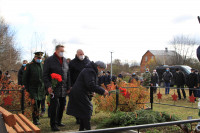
33, 82
39, 54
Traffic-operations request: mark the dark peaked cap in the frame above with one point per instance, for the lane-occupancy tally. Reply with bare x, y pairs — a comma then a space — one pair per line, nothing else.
39, 54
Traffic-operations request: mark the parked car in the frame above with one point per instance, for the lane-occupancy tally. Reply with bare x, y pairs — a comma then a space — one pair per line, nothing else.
161, 69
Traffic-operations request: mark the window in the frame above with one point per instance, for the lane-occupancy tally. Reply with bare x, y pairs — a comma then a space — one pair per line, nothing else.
152, 57
146, 58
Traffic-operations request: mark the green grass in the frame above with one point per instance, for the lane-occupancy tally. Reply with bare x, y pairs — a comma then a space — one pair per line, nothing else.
180, 112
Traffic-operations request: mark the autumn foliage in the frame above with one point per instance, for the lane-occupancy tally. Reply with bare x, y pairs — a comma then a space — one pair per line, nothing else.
10, 97
129, 97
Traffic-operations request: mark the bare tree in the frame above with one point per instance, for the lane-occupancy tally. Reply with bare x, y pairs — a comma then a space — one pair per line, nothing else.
9, 54
183, 46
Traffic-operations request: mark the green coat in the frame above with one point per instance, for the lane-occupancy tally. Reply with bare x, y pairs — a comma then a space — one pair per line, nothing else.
32, 80
146, 78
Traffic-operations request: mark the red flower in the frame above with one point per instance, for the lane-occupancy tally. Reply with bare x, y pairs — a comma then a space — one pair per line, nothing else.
124, 92
55, 79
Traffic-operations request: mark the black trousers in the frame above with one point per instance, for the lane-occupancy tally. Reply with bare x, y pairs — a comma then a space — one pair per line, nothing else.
85, 124
57, 105
182, 89
43, 105
35, 113
193, 90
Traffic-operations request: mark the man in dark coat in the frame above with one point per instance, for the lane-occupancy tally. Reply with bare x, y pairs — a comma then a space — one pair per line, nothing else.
107, 78
80, 104
167, 76
21, 71
154, 81
101, 78
179, 78
57, 64
32, 80
192, 82
76, 66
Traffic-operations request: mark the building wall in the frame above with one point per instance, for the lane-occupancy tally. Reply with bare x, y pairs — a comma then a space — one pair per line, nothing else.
145, 59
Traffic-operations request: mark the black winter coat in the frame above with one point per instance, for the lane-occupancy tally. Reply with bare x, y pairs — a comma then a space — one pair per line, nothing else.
154, 79
75, 67
192, 80
53, 65
79, 104
107, 80
179, 78
20, 75
167, 76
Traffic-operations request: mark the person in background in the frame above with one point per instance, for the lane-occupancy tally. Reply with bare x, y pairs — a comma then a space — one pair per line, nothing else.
101, 78
192, 82
80, 104
33, 83
198, 86
179, 78
21, 71
133, 76
167, 76
57, 64
107, 78
146, 78
120, 76
76, 66
114, 79
154, 81
68, 60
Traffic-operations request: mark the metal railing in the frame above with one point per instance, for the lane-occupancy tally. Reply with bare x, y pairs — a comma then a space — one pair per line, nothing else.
138, 127
152, 97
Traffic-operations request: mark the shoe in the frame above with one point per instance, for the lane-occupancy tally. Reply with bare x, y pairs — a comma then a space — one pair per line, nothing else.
36, 123
61, 125
55, 128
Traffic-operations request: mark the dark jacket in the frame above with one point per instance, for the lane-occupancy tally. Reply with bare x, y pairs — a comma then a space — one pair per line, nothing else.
154, 79
192, 80
32, 80
133, 77
53, 65
20, 75
79, 104
167, 76
179, 78
75, 67
101, 79
107, 80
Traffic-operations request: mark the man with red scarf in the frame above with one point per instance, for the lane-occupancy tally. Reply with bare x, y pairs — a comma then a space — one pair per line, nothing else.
57, 64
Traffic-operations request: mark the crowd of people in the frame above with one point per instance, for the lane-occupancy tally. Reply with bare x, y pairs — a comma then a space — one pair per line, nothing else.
191, 81
79, 82
81, 79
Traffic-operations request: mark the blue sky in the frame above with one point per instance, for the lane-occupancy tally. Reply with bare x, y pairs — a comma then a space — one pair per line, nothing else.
127, 27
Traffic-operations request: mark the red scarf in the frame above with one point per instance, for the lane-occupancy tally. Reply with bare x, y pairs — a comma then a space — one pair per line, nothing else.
59, 58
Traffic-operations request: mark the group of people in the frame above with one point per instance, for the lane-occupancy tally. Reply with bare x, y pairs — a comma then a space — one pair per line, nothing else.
180, 80
79, 82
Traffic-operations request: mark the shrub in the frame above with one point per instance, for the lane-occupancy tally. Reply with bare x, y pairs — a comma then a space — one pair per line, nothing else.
139, 117
127, 96
11, 100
